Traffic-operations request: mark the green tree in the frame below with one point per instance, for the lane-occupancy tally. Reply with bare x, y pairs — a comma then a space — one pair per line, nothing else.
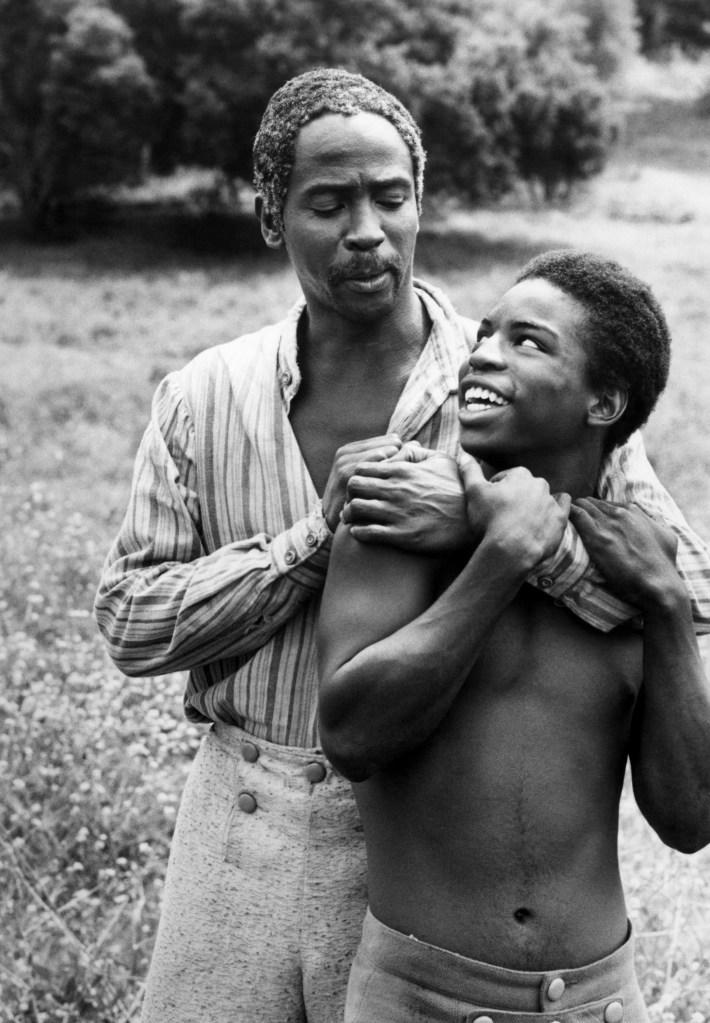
611, 33
74, 103
539, 107
159, 38
559, 112
665, 23
468, 70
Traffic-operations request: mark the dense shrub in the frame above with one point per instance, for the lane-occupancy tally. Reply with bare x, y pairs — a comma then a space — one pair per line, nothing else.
74, 103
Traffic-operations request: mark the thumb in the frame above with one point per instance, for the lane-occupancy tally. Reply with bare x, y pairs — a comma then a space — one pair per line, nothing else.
411, 451
565, 502
469, 469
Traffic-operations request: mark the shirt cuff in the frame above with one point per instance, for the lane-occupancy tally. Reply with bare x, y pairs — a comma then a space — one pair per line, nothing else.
303, 550
558, 573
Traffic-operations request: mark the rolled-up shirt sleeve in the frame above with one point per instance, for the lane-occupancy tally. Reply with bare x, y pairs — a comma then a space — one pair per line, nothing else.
627, 478
164, 603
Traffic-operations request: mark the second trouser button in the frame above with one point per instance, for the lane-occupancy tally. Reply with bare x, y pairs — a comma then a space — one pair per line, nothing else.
246, 802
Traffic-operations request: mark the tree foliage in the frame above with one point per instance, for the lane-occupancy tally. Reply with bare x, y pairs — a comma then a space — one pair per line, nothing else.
610, 33
505, 90
74, 100
667, 23
479, 77
159, 38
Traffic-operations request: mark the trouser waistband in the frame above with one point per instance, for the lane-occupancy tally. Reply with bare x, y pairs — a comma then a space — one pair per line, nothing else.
234, 740
524, 991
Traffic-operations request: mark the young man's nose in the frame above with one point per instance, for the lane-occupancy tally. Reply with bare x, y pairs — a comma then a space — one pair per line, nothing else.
488, 351
364, 229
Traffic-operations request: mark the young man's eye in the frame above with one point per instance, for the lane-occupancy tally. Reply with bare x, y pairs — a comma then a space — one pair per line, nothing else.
529, 342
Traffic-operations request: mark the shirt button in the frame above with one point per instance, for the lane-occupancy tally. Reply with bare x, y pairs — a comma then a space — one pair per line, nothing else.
544, 582
311, 539
286, 379
555, 989
246, 802
250, 752
315, 772
482, 1019
614, 1012
290, 557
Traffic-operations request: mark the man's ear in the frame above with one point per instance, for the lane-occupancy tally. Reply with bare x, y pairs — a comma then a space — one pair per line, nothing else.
608, 406
272, 235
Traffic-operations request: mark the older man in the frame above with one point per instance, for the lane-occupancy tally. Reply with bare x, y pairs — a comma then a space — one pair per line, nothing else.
219, 564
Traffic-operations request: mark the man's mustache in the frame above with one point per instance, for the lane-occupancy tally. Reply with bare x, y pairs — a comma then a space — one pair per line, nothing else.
359, 268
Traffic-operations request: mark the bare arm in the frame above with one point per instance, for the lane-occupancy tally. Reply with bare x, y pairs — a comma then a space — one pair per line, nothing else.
392, 657
671, 728
628, 478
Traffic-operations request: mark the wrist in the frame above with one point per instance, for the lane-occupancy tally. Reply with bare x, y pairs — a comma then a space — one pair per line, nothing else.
514, 561
667, 598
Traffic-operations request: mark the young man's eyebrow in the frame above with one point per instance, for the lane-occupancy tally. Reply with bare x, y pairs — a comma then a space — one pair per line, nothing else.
485, 325
535, 325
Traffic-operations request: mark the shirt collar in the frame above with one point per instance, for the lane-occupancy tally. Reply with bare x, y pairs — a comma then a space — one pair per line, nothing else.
289, 374
435, 374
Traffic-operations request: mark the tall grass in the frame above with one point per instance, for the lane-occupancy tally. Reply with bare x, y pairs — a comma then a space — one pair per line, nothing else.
92, 763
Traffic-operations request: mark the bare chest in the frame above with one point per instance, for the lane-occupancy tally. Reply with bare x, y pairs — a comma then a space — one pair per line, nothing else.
324, 419
546, 663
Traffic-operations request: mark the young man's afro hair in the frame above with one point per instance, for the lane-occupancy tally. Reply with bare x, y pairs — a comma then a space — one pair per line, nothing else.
303, 99
626, 337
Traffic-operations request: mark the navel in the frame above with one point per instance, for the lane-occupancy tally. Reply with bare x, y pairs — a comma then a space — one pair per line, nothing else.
522, 915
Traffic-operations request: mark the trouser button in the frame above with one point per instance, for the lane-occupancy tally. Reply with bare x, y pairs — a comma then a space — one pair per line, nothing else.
246, 802
315, 772
614, 1012
555, 989
250, 752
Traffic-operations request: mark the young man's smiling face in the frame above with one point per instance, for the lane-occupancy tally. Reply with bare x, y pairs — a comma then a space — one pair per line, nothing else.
350, 216
524, 393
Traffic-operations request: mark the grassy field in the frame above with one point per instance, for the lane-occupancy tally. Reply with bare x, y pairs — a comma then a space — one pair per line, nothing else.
91, 763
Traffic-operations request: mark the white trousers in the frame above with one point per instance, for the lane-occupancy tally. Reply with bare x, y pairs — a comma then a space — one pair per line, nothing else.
265, 891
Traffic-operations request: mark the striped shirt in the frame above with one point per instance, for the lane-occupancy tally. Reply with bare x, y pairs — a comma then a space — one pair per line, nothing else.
221, 558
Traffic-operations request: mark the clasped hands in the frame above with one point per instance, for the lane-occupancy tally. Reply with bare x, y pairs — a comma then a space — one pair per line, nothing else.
422, 500
426, 501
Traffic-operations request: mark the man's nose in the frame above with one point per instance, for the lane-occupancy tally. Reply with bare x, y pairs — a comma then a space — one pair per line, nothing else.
365, 228
488, 351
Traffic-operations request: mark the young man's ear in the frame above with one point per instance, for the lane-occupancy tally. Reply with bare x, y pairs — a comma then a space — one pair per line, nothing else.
607, 407
272, 235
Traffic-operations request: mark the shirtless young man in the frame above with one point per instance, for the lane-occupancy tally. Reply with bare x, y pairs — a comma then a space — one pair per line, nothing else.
486, 729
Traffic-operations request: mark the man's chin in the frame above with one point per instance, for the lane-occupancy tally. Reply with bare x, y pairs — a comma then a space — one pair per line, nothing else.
367, 308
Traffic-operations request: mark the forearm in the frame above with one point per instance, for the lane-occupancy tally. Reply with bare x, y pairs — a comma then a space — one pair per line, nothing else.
629, 479
390, 695
670, 763
159, 615
571, 578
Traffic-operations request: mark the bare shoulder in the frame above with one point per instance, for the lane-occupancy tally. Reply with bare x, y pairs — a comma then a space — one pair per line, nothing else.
371, 590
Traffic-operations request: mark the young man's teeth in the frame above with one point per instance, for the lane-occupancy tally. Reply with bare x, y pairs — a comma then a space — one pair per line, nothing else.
477, 396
